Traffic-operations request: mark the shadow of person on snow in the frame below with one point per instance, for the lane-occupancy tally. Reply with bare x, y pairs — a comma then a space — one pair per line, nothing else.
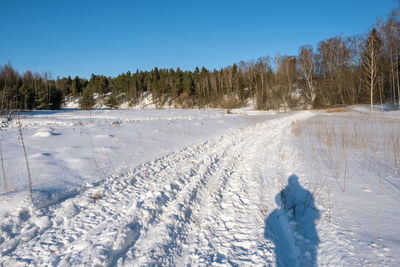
292, 228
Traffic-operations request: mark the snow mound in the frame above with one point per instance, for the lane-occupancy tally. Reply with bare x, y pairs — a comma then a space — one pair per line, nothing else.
100, 136
45, 133
42, 134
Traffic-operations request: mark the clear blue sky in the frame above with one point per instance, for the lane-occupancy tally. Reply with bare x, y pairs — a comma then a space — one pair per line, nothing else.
80, 37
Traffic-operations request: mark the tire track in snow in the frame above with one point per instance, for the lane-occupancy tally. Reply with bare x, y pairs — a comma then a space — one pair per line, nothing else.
226, 222
231, 229
100, 232
202, 204
163, 242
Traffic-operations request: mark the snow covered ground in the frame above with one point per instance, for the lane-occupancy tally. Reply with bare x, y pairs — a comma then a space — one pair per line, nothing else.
201, 187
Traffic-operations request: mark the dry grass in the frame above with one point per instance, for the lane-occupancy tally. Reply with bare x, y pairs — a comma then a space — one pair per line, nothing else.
5, 186
229, 103
374, 140
337, 110
26, 159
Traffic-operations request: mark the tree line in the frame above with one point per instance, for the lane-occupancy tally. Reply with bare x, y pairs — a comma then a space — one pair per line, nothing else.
339, 71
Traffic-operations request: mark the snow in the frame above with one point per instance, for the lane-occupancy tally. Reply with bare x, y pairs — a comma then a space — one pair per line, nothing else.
202, 187
355, 156
71, 102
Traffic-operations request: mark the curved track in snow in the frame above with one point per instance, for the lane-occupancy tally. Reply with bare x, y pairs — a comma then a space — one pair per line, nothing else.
205, 204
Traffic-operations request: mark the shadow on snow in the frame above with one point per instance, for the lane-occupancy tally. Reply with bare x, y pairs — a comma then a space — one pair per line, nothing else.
292, 227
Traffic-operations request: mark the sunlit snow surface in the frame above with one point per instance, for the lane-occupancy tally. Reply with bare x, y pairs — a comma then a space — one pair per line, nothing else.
67, 149
177, 187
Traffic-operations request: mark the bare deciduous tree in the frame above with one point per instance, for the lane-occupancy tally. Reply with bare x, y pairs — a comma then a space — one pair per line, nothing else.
306, 63
369, 65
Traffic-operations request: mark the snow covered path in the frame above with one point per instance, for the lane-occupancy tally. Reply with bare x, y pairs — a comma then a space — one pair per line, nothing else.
204, 204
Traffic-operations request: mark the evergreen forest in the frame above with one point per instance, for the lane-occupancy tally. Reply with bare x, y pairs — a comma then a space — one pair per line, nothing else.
338, 71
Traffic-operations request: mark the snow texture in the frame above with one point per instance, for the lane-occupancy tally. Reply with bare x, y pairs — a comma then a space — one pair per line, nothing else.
189, 187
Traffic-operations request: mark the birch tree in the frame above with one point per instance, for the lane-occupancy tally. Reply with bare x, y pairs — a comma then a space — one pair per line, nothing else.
369, 77
306, 64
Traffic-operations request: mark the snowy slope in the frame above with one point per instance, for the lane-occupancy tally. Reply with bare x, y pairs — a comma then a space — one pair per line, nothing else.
179, 187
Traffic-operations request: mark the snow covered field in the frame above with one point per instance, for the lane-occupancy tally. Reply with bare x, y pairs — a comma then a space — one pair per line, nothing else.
201, 187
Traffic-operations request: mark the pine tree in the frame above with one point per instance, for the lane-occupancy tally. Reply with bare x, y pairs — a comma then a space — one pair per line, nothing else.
28, 97
112, 101
76, 86
87, 100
